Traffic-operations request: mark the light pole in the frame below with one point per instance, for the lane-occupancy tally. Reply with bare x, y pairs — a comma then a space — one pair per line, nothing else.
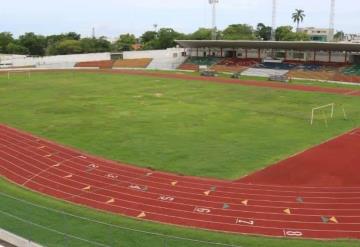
332, 21
273, 28
214, 28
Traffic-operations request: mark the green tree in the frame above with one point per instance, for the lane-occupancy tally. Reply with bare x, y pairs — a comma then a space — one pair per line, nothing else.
263, 32
167, 37
91, 45
148, 36
285, 33
68, 47
15, 48
298, 16
125, 42
35, 44
201, 34
339, 36
5, 39
238, 32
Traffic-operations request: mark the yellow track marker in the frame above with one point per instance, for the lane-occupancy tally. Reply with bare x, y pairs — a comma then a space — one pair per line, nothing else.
68, 176
334, 220
174, 183
57, 165
112, 200
207, 192
245, 202
141, 215
287, 211
87, 188
42, 147
48, 156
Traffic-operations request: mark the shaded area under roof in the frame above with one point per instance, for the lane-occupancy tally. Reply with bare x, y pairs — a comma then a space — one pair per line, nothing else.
281, 45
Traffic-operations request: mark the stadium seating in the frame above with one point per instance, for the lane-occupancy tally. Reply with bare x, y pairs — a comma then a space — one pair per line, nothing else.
234, 65
238, 62
193, 63
276, 66
352, 70
132, 63
316, 75
347, 78
264, 72
189, 66
104, 64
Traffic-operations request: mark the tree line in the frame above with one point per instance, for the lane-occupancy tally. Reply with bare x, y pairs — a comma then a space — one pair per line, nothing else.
72, 43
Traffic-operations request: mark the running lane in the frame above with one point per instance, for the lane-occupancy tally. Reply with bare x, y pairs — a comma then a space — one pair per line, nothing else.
290, 208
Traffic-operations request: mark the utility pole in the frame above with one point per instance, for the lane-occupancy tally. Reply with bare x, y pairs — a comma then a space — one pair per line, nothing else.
214, 28
273, 26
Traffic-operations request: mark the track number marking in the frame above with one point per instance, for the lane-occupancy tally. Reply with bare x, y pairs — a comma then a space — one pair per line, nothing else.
246, 222
166, 198
138, 187
112, 176
292, 233
202, 210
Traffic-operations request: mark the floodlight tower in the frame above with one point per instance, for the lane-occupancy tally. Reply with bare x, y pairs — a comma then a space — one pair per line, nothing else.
332, 21
273, 26
214, 28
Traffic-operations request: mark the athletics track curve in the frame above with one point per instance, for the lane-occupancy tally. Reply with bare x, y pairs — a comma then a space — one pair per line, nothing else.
254, 205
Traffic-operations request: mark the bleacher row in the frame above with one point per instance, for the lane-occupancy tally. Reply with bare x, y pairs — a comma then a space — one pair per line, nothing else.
108, 64
297, 69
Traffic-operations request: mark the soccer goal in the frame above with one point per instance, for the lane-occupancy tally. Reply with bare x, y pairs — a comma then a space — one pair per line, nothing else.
323, 112
12, 73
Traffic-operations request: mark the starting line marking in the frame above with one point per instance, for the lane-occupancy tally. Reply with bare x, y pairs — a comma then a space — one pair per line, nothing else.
246, 222
202, 210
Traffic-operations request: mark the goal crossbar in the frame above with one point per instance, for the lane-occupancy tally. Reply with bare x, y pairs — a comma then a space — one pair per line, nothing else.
332, 105
27, 72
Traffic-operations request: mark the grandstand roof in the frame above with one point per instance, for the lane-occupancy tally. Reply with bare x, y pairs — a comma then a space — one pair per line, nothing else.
285, 45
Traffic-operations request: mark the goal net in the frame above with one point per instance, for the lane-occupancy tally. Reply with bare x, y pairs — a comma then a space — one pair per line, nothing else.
12, 73
325, 113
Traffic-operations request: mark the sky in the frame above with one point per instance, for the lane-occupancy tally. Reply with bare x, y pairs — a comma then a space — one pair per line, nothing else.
113, 17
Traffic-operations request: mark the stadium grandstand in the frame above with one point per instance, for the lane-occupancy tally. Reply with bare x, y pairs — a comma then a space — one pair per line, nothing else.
309, 59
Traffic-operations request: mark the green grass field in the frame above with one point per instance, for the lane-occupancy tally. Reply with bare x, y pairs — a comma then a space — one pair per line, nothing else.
194, 128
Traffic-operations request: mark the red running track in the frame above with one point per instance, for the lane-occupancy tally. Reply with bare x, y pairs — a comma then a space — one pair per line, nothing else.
293, 208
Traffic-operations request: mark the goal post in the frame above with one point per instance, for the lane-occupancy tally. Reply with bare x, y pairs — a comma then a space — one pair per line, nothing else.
322, 108
27, 73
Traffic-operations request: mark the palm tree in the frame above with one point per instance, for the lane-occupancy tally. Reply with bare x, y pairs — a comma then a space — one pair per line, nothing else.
298, 16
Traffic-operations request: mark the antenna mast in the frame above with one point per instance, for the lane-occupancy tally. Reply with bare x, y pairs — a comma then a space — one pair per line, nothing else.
273, 29
332, 21
214, 28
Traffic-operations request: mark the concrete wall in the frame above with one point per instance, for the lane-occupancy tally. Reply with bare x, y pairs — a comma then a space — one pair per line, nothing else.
53, 61
16, 240
161, 59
